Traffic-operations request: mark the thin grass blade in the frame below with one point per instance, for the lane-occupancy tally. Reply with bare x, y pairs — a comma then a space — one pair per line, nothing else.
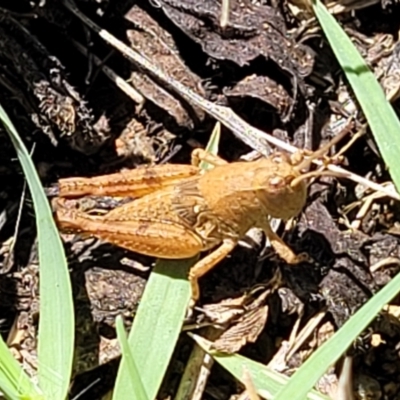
267, 382
159, 320
138, 390
14, 382
379, 113
156, 327
305, 378
385, 127
56, 325
213, 145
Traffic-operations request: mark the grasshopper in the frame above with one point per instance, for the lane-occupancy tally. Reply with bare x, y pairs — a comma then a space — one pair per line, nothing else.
180, 211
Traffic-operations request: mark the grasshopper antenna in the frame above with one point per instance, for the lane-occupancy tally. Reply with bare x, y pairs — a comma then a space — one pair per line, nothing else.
305, 164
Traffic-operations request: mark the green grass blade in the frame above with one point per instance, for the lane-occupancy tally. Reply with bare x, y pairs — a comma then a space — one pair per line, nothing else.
56, 324
385, 127
14, 382
267, 382
159, 319
138, 390
213, 144
379, 113
305, 378
156, 327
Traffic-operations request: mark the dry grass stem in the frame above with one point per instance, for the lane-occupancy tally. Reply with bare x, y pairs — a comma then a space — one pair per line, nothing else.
253, 137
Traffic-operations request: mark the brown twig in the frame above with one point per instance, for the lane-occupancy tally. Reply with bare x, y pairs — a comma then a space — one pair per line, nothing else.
253, 137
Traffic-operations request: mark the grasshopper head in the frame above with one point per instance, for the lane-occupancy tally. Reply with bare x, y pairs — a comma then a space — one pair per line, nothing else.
282, 179
274, 180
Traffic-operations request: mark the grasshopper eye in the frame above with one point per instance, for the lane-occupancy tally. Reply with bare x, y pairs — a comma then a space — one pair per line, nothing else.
276, 182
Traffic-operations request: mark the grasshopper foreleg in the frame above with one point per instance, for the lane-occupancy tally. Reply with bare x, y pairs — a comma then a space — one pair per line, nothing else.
283, 250
208, 263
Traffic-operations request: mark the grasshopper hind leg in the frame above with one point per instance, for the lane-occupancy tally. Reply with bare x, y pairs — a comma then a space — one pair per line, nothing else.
128, 183
149, 236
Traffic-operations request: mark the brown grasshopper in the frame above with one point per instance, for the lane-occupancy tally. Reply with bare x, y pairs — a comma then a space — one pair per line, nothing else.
182, 210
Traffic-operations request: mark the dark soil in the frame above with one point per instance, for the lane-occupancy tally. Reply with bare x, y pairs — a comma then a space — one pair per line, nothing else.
276, 74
